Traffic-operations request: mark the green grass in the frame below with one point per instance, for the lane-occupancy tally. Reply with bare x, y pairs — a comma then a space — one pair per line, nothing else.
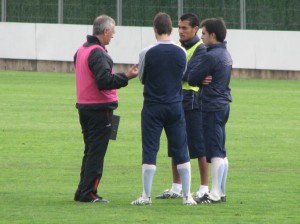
41, 148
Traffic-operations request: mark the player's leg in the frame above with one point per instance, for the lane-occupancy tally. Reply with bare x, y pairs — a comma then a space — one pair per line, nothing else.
84, 128
176, 189
214, 136
148, 171
224, 180
175, 130
151, 132
224, 119
194, 129
204, 173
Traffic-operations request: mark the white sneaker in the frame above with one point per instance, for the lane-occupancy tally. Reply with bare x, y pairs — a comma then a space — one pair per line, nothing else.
142, 201
189, 201
199, 194
169, 194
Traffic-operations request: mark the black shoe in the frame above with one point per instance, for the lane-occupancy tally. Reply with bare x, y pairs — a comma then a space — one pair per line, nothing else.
206, 200
223, 199
169, 194
91, 197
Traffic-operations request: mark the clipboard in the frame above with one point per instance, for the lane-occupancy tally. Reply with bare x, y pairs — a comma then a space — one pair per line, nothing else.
115, 120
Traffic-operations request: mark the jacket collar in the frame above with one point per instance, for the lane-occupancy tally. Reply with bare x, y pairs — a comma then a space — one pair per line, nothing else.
94, 40
189, 43
220, 45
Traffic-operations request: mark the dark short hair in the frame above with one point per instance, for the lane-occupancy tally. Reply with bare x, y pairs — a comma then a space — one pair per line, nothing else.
162, 23
192, 18
216, 26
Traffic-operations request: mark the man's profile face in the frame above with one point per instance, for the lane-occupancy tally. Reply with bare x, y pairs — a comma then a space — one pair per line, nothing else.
186, 31
109, 34
207, 38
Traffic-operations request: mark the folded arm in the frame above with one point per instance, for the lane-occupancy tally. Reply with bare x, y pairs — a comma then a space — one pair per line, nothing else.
199, 68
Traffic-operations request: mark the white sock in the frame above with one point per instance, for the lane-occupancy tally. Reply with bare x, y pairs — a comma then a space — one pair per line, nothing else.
224, 179
203, 189
176, 187
148, 172
217, 164
184, 171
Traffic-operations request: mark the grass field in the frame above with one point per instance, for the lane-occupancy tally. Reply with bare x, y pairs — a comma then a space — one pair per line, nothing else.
41, 149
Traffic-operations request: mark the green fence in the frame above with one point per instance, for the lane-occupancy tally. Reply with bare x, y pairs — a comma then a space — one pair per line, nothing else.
256, 14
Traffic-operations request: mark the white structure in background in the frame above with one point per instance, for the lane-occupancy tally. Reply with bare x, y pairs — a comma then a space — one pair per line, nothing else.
250, 49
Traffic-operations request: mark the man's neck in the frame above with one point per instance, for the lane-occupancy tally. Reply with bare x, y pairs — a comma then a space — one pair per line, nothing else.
163, 37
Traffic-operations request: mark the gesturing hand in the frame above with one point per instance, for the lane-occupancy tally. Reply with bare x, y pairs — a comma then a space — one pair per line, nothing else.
133, 72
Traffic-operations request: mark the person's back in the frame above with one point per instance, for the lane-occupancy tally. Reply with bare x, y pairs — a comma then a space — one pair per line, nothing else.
161, 67
188, 26
164, 66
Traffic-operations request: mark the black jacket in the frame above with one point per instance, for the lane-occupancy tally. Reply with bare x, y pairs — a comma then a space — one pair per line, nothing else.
101, 64
217, 62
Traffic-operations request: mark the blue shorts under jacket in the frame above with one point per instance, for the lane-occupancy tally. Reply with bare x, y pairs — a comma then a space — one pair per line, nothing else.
170, 117
214, 132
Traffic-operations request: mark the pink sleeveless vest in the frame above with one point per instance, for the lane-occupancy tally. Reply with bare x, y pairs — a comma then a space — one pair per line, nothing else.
86, 88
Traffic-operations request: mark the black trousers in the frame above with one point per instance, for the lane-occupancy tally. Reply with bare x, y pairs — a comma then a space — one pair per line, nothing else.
96, 128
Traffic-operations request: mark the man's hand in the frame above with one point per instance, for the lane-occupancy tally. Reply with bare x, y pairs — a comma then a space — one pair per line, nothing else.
132, 72
207, 80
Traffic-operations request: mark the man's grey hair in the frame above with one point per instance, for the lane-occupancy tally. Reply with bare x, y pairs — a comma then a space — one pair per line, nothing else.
101, 23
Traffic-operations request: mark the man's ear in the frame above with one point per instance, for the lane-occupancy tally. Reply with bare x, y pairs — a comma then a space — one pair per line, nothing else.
196, 28
214, 36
